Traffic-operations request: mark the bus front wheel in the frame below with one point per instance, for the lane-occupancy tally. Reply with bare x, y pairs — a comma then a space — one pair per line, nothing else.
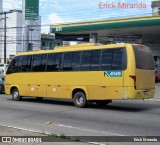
15, 95
79, 100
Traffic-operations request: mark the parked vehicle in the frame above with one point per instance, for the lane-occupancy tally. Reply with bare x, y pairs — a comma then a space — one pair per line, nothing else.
2, 69
1, 85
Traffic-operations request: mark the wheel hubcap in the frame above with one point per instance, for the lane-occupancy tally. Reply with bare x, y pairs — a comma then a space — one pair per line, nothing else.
80, 100
15, 95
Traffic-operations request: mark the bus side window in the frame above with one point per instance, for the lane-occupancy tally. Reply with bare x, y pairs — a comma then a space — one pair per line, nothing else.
15, 65
39, 63
117, 59
43, 62
67, 61
106, 60
76, 61
36, 62
86, 60
26, 63
51, 62
58, 62
95, 61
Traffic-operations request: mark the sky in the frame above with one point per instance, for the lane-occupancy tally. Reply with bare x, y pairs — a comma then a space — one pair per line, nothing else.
66, 11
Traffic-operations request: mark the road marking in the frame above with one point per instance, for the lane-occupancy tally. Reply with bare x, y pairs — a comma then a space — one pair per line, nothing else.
66, 126
154, 100
24, 129
2, 99
89, 130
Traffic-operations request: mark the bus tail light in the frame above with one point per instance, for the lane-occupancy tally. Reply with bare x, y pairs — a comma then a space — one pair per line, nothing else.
134, 78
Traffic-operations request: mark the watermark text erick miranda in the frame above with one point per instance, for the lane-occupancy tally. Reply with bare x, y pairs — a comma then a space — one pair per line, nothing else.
122, 5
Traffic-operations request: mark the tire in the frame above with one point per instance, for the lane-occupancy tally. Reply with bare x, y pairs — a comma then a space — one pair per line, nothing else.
15, 95
80, 100
103, 103
0, 90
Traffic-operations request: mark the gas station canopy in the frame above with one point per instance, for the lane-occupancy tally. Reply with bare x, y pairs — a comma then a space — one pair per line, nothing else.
127, 26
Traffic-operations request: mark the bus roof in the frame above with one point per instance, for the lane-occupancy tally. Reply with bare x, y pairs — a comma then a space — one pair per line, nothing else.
77, 47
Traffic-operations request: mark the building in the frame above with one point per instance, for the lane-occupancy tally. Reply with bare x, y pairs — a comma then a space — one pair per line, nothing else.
20, 35
1, 4
48, 41
155, 7
1, 20
13, 34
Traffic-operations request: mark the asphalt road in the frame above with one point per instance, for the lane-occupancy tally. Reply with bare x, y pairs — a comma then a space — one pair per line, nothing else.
120, 118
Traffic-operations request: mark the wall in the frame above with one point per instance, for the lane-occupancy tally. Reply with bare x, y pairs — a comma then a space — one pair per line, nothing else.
1, 6
14, 35
1, 25
152, 41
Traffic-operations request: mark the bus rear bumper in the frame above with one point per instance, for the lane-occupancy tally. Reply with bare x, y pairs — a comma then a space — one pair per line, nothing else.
140, 94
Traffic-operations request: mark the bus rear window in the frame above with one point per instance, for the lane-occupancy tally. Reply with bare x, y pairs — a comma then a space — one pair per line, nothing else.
144, 57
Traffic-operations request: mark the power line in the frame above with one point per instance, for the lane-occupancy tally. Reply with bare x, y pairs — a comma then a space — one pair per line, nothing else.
89, 15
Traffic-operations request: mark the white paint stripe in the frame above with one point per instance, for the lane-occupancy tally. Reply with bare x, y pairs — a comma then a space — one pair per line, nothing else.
2, 99
96, 143
24, 129
66, 126
89, 130
155, 100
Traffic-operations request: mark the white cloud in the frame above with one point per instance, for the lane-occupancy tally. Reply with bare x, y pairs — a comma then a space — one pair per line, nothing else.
51, 20
43, 4
45, 29
55, 19
12, 4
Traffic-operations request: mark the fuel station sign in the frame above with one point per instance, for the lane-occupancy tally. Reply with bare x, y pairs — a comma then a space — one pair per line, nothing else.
31, 9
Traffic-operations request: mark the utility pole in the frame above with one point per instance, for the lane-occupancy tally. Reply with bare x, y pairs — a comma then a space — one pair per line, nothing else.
5, 29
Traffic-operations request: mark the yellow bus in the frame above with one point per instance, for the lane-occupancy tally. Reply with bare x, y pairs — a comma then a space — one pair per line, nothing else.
84, 73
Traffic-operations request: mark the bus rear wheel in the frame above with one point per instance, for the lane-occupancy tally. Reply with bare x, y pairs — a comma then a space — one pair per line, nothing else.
80, 100
15, 95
